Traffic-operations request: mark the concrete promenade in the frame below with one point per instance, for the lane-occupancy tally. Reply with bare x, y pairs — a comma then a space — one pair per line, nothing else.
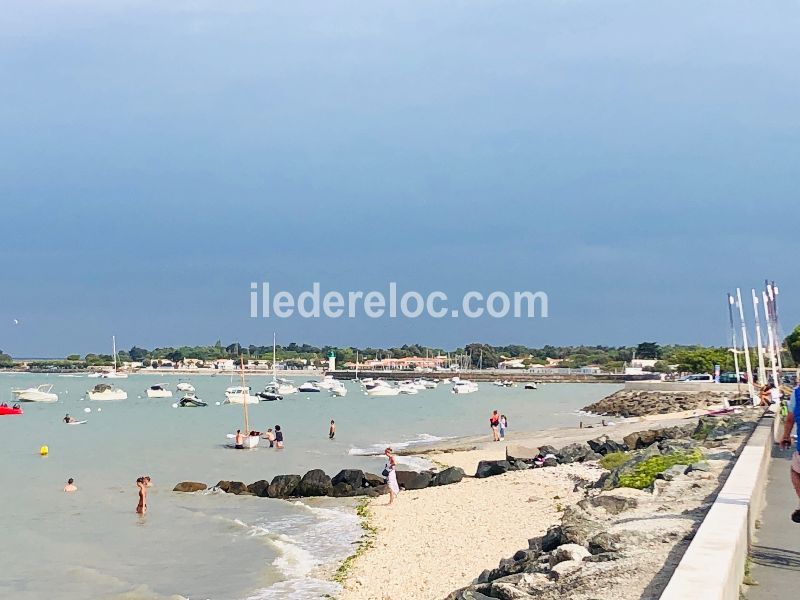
775, 555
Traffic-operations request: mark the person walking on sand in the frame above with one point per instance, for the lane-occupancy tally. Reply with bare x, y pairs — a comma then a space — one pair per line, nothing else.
278, 437
503, 426
390, 473
141, 508
70, 487
332, 430
494, 423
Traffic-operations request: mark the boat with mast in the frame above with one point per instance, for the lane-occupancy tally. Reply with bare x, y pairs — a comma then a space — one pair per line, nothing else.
280, 386
114, 374
249, 441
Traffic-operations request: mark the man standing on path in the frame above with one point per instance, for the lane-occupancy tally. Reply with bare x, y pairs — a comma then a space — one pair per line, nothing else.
791, 417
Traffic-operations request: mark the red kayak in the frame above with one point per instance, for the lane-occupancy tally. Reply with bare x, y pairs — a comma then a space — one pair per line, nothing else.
8, 410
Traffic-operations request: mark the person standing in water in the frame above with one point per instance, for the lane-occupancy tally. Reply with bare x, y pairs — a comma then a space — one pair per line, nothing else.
494, 423
390, 472
68, 419
141, 508
278, 437
70, 487
332, 430
239, 441
270, 437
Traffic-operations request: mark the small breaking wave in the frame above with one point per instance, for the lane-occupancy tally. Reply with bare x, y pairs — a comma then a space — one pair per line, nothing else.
377, 449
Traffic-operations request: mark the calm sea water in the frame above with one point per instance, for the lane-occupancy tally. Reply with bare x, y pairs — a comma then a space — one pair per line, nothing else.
92, 545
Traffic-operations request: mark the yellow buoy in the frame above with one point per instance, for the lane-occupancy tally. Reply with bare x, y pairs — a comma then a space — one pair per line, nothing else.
44, 450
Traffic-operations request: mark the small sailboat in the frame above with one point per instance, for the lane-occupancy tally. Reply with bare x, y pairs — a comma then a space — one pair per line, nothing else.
283, 387
114, 374
248, 441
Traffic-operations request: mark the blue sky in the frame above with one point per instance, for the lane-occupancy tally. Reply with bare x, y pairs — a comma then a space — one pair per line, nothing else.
634, 160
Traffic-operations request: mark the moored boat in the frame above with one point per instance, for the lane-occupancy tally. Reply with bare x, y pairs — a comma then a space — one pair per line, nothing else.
41, 393
191, 401
158, 391
6, 410
106, 391
462, 386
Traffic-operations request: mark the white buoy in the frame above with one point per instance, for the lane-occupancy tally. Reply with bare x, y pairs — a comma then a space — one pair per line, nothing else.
175, 405
87, 410
217, 403
99, 410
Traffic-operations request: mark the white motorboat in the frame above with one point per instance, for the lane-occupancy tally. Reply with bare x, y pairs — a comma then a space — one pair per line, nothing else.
239, 394
339, 389
380, 388
429, 384
158, 391
419, 384
503, 383
309, 386
106, 391
407, 387
463, 386
327, 383
191, 401
184, 386
283, 387
530, 386
41, 393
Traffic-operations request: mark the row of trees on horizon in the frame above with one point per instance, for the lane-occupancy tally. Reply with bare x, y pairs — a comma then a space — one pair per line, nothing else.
686, 358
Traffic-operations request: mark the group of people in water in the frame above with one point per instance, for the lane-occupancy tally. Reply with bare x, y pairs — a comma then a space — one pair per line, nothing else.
274, 437
498, 424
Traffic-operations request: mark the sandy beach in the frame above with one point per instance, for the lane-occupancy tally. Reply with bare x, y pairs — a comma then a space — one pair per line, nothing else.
435, 540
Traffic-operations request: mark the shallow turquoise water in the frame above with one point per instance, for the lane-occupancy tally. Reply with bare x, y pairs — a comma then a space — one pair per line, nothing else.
92, 545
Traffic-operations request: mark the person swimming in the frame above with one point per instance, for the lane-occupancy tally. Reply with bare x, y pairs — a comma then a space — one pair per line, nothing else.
70, 487
68, 419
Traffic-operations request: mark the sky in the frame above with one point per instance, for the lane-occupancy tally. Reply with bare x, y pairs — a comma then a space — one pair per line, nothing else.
634, 160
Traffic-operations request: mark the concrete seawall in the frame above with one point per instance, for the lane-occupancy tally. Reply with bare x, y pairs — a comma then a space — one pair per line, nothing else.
487, 375
713, 566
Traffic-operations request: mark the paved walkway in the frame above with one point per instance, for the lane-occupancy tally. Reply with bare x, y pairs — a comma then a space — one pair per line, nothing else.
776, 553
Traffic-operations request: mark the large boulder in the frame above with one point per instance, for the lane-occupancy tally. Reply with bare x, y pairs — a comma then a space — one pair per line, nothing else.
448, 476
259, 488
344, 490
412, 480
283, 486
604, 445
578, 527
604, 543
314, 483
640, 439
517, 453
545, 450
617, 501
190, 486
352, 477
374, 492
573, 453
489, 468
373, 480
223, 485
238, 488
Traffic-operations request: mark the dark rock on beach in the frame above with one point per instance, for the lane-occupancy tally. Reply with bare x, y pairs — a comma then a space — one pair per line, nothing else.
314, 483
490, 468
190, 486
573, 453
374, 492
352, 477
412, 480
448, 476
283, 486
603, 445
373, 480
259, 488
